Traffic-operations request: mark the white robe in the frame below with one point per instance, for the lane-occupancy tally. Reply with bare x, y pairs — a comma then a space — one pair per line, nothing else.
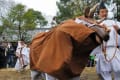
25, 57
102, 64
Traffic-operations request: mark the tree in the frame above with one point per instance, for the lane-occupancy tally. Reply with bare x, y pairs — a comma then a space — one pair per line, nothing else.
19, 20
33, 18
118, 9
5, 6
72, 8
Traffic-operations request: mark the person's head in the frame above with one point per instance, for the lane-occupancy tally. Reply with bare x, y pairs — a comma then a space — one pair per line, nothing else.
102, 11
9, 44
21, 43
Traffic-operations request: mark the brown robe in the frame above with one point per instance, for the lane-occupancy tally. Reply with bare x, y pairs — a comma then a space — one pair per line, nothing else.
63, 51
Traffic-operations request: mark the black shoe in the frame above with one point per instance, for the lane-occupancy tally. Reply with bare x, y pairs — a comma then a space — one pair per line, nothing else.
24, 66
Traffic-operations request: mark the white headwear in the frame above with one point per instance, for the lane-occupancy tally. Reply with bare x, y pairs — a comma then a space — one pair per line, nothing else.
112, 9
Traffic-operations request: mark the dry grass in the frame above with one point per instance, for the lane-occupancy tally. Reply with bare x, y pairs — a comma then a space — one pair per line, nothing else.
11, 74
89, 73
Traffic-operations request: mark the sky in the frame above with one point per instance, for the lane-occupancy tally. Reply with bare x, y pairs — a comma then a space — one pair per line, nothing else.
47, 7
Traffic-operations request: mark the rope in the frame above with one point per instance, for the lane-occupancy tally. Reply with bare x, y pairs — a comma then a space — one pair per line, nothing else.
104, 49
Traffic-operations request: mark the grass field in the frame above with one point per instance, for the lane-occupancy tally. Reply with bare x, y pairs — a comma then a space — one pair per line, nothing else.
89, 73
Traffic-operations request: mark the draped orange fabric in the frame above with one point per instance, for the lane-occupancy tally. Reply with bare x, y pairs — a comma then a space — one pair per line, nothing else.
63, 51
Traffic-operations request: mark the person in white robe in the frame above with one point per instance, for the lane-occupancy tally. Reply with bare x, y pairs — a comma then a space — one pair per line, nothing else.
22, 53
108, 54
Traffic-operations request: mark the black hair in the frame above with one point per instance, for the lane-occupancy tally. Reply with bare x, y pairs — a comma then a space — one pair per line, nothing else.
101, 6
22, 40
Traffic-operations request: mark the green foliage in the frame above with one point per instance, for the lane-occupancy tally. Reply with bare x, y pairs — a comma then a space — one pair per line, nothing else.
72, 8
1, 30
18, 18
118, 9
33, 18
66, 10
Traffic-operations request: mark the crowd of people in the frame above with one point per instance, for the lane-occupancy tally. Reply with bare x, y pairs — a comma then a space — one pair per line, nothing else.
14, 55
7, 55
